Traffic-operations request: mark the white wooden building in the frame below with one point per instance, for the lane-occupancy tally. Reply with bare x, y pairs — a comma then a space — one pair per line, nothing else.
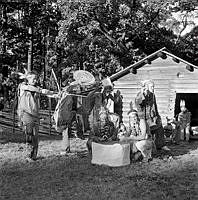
174, 79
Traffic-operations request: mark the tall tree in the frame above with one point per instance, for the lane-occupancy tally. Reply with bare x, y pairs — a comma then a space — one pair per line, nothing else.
106, 35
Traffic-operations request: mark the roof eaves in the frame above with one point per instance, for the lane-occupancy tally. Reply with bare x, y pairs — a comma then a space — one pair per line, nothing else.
141, 62
184, 61
136, 65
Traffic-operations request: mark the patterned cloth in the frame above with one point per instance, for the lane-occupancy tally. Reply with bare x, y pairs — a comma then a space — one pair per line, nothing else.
64, 113
147, 108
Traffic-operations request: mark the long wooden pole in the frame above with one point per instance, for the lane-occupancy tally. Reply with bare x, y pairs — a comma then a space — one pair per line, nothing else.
46, 68
56, 79
50, 120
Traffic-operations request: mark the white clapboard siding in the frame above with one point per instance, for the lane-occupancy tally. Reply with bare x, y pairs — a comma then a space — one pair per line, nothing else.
169, 77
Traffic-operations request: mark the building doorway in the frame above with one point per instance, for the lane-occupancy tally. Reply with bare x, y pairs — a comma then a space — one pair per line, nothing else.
191, 100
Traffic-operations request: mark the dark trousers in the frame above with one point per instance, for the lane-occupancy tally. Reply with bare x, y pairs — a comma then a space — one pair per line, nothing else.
32, 141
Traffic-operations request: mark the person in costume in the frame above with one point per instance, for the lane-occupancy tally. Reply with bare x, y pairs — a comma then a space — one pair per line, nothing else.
118, 104
184, 118
103, 124
139, 137
172, 130
28, 109
146, 105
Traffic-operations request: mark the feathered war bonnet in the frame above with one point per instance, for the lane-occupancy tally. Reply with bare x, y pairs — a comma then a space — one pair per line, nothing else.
26, 75
144, 83
182, 103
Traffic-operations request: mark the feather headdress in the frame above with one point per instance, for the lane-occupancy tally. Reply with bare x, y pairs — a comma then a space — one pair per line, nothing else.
132, 110
25, 75
182, 103
146, 82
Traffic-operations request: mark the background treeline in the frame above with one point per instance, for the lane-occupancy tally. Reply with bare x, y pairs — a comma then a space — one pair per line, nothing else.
102, 36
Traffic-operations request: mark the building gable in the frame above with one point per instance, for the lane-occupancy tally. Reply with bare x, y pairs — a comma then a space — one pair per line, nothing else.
170, 77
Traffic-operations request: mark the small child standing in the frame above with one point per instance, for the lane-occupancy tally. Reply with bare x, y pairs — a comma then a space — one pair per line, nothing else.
172, 130
28, 110
184, 118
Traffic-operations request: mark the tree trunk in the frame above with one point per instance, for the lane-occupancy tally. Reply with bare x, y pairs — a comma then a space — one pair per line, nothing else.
46, 50
30, 50
3, 30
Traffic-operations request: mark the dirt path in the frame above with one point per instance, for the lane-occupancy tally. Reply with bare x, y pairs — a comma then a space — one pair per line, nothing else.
52, 176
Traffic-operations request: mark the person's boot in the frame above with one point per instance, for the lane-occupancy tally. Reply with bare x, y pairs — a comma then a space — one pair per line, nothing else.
89, 147
67, 150
34, 153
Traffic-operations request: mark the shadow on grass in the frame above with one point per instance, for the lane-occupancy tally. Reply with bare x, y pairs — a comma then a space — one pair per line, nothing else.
61, 178
7, 135
177, 150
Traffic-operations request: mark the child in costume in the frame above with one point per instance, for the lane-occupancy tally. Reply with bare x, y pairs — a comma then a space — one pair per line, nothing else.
172, 130
103, 124
139, 138
184, 118
28, 109
122, 131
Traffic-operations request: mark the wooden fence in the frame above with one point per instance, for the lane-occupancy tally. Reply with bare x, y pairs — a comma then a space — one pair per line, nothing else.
9, 120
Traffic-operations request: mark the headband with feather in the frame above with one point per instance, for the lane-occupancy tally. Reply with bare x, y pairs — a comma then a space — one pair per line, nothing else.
25, 75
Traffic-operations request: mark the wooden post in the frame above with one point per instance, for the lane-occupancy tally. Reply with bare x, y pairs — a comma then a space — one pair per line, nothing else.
50, 121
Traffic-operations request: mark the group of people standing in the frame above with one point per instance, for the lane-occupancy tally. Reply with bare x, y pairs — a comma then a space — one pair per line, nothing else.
145, 130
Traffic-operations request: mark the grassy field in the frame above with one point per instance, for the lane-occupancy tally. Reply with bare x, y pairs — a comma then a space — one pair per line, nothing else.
168, 176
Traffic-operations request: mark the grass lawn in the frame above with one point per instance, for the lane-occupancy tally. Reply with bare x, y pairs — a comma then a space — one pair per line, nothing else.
172, 175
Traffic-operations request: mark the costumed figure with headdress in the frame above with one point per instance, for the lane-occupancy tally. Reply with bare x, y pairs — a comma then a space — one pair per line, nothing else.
184, 118
172, 130
146, 105
103, 123
28, 109
139, 137
69, 108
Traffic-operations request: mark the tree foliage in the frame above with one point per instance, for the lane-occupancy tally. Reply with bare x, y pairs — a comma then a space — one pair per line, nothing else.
107, 35
42, 16
99, 36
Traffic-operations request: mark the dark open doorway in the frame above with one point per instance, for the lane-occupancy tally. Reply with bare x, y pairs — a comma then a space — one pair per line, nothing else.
191, 100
